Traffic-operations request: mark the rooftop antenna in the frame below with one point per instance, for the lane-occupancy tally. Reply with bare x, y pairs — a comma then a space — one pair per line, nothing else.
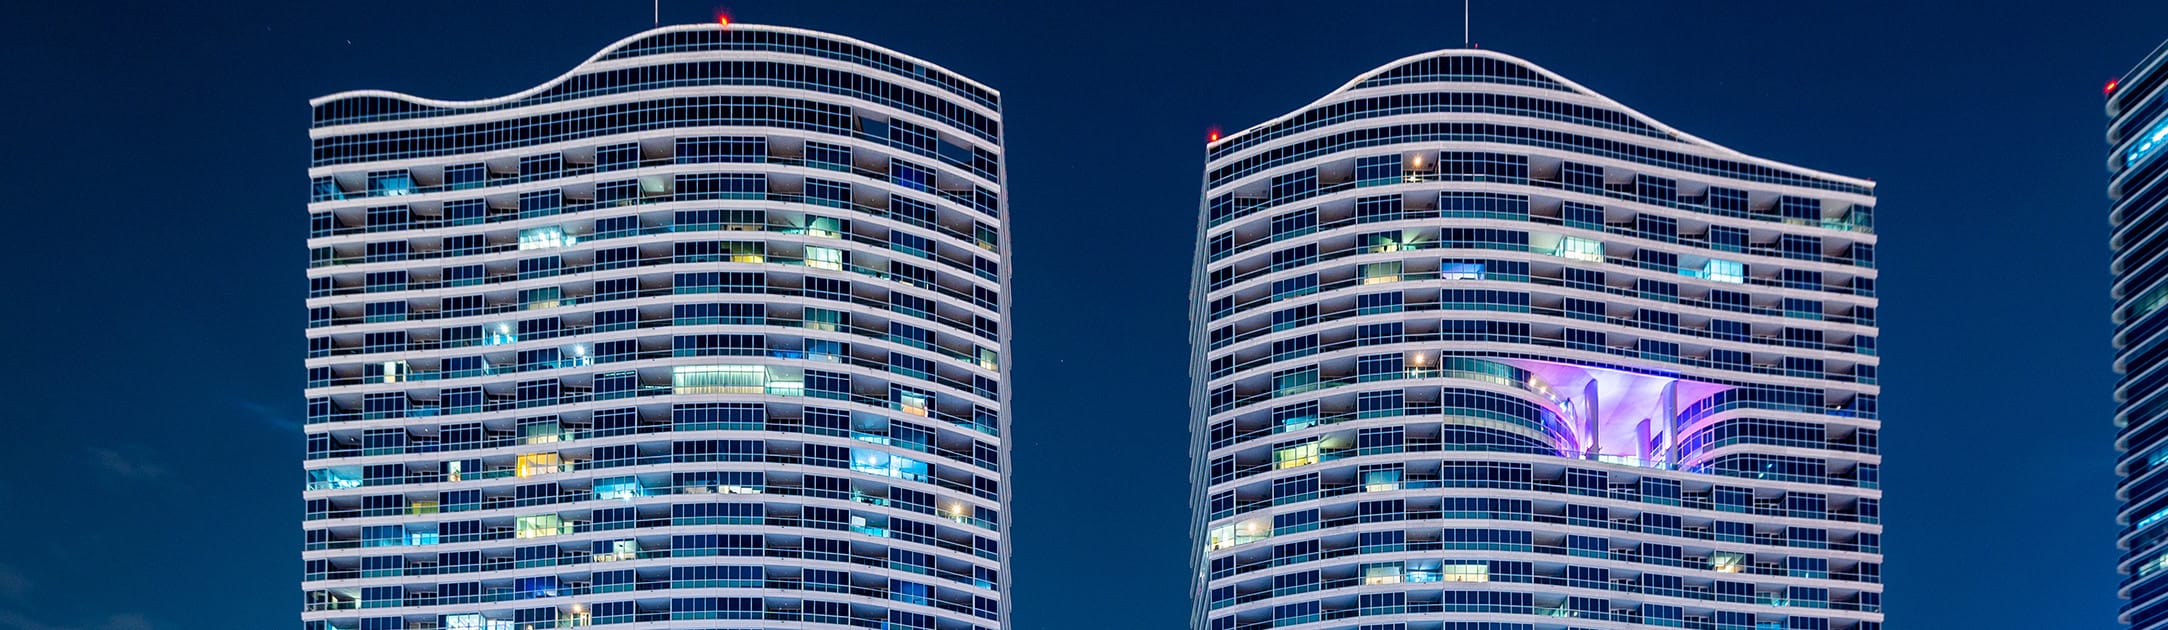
658, 12
1464, 26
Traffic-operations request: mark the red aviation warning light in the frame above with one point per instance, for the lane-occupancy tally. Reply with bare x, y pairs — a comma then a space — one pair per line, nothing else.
2110, 87
722, 19
1212, 135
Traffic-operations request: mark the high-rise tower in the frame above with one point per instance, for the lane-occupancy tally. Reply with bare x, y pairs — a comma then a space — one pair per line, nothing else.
1477, 347
707, 332
2137, 131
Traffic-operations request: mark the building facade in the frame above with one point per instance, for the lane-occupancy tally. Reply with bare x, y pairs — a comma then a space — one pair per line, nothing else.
2137, 129
707, 332
1479, 348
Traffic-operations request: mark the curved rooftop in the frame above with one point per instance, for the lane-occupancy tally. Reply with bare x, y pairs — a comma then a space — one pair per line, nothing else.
1517, 71
678, 38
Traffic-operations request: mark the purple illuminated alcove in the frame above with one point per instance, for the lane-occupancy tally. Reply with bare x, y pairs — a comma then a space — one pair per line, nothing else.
1614, 415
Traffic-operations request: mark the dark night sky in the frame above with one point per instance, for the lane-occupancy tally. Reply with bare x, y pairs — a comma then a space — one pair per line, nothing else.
155, 155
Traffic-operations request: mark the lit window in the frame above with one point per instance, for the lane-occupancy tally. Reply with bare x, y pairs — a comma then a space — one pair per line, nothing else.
1382, 242
545, 237
785, 381
626, 488
616, 550
540, 432
1722, 270
912, 403
824, 258
2143, 150
1726, 562
500, 335
717, 379
823, 319
1577, 248
2150, 302
1382, 573
335, 478
538, 525
1293, 456
532, 464
1385, 480
1464, 573
1227, 536
879, 462
1381, 272
748, 251
1460, 271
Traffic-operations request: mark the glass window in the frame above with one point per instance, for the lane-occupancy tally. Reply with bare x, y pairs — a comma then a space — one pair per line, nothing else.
1577, 248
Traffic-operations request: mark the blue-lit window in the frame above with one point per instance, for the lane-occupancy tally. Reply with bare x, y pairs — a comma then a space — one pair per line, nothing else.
910, 176
325, 189
390, 184
2148, 144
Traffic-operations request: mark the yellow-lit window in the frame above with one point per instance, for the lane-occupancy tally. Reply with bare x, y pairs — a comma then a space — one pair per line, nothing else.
911, 403
426, 506
1381, 272
745, 251
1383, 573
1219, 538
1726, 562
1226, 536
1464, 573
538, 525
1297, 455
532, 464
823, 319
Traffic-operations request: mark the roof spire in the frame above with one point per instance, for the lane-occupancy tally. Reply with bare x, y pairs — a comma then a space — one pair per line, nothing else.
1464, 25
